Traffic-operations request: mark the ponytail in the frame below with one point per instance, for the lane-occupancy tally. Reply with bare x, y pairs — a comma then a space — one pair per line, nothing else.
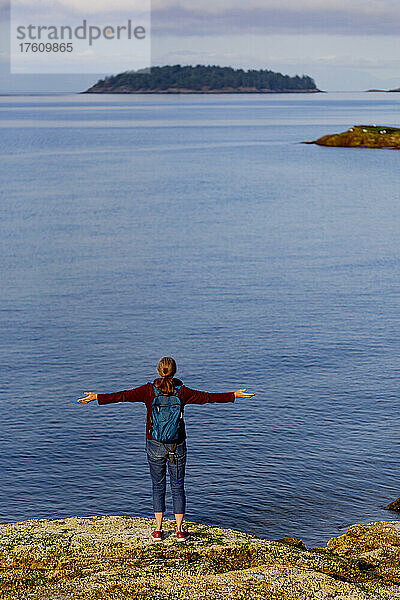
167, 369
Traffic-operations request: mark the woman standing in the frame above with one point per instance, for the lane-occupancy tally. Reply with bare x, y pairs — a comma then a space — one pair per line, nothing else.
156, 396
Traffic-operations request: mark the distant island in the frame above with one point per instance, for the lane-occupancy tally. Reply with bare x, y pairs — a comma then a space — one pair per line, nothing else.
177, 79
379, 90
363, 136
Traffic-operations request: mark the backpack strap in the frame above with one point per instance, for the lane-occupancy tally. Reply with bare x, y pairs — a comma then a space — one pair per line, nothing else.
170, 453
155, 396
178, 387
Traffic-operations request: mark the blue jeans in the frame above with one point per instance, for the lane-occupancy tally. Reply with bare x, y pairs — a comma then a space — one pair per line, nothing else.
157, 456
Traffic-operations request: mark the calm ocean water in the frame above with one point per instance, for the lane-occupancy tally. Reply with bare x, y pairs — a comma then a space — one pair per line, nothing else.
134, 227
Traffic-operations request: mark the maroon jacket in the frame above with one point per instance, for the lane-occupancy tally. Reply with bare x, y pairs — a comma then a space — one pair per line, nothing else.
145, 393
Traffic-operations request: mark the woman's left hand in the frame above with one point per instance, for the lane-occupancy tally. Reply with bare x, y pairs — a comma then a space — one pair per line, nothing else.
243, 394
88, 398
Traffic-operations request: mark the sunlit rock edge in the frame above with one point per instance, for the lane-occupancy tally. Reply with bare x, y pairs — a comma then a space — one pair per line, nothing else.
113, 557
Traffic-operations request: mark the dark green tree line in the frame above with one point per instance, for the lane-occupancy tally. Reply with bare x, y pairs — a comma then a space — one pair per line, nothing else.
205, 78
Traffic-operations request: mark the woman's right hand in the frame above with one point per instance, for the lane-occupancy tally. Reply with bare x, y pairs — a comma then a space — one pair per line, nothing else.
243, 394
88, 398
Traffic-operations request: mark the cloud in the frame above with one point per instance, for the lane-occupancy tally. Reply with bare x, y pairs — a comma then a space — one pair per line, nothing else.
221, 6
344, 61
326, 6
353, 17
213, 17
89, 7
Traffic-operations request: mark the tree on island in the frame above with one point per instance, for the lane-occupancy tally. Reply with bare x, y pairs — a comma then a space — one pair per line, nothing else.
203, 78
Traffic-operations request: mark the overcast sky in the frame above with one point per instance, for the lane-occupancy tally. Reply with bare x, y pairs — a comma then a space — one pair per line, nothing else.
343, 44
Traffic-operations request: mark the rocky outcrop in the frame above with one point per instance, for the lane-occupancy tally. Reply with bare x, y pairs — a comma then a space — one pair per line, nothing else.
113, 557
363, 136
395, 505
378, 544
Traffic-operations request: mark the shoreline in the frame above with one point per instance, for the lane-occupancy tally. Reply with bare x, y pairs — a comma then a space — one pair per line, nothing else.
109, 556
209, 92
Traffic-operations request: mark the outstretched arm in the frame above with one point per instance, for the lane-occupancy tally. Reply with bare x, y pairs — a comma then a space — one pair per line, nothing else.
139, 394
190, 396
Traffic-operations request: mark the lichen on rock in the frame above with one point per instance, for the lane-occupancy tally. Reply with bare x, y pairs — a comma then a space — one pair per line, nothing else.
113, 557
363, 136
376, 543
395, 505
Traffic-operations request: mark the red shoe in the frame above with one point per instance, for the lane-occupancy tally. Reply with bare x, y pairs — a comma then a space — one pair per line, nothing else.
156, 534
182, 536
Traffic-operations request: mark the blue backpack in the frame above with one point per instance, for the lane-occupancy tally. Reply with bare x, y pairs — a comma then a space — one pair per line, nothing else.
166, 416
